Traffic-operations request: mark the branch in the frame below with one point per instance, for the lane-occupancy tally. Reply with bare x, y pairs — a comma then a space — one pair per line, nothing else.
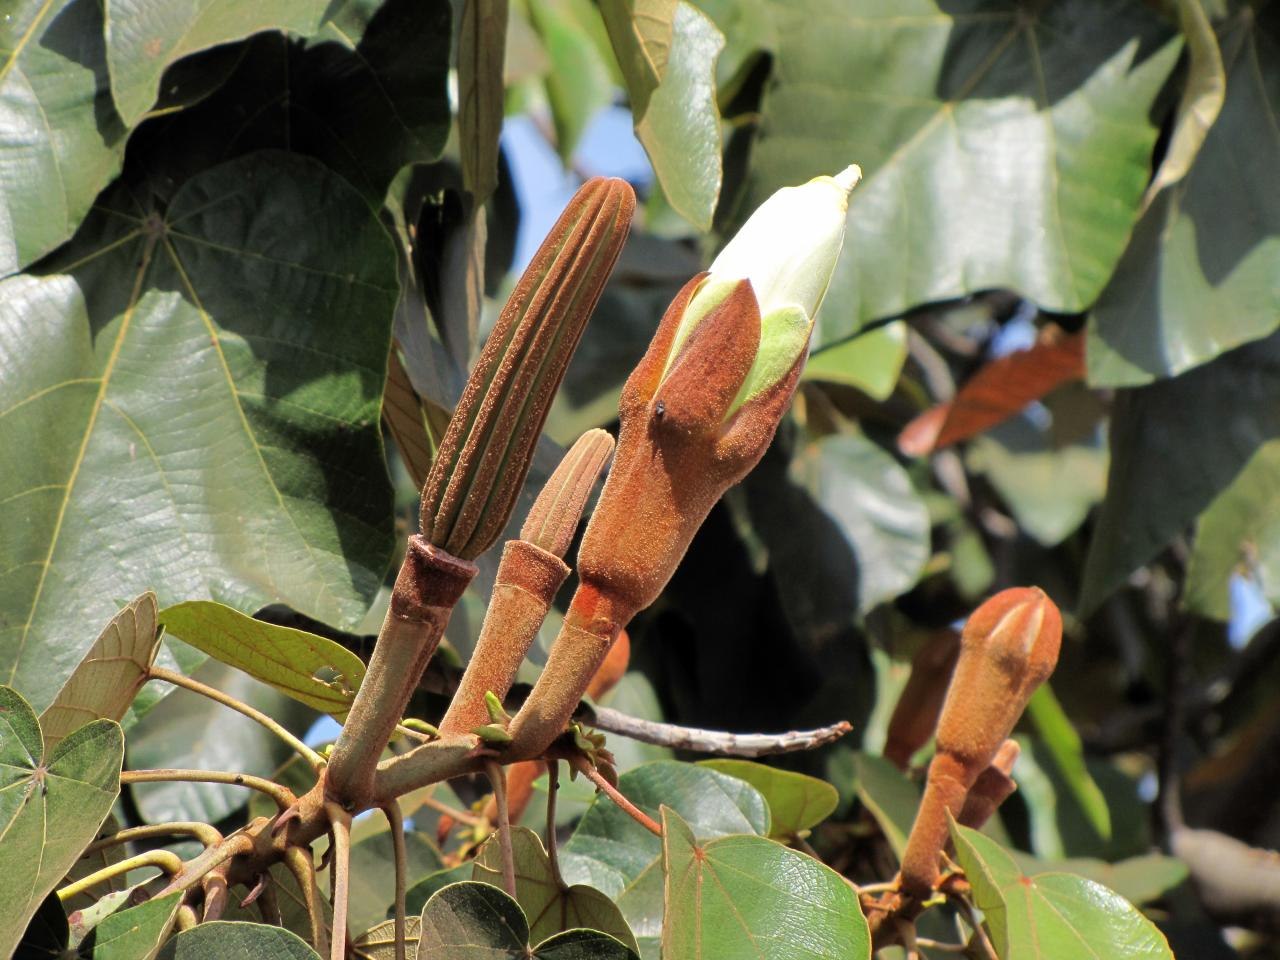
166, 860
395, 820
498, 780
283, 796
300, 864
716, 741
585, 768
207, 835
340, 824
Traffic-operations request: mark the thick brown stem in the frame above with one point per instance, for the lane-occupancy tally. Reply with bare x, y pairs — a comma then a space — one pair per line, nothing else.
944, 794
430, 763
340, 822
527, 581
429, 584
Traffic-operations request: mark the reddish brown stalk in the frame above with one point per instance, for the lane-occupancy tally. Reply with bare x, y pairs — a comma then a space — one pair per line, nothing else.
485, 454
916, 714
992, 788
607, 788
678, 451
1008, 648
429, 584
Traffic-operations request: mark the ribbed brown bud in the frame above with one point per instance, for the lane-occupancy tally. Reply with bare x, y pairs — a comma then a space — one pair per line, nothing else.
485, 453
554, 518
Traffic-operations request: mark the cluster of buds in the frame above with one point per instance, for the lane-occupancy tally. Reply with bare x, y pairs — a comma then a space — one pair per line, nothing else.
1007, 649
696, 415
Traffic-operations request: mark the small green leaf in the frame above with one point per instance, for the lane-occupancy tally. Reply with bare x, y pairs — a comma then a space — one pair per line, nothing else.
1051, 915
493, 733
311, 669
110, 675
796, 802
553, 908
870, 361
223, 940
641, 34
889, 797
476, 921
136, 933
609, 850
51, 806
749, 896
379, 943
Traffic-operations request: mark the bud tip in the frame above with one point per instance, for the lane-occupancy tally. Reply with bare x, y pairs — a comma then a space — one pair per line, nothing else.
848, 178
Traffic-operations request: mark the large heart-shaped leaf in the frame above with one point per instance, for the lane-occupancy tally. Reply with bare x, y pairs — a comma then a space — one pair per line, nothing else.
110, 675
62, 138
930, 98
550, 907
609, 850
752, 897
145, 36
476, 921
796, 802
313, 670
136, 933
1200, 276
51, 805
1138, 879
1051, 915
203, 384
226, 940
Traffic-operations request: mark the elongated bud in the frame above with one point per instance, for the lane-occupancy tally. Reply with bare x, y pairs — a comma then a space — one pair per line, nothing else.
992, 788
916, 714
1007, 649
697, 414
529, 574
485, 453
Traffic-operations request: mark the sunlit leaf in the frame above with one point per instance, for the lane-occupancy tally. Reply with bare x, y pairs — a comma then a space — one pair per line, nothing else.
796, 802
750, 896
481, 43
889, 797
136, 933
870, 361
1067, 752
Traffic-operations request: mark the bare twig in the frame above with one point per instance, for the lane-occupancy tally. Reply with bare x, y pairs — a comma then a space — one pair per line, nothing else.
400, 857
716, 741
212, 693
214, 885
461, 816
166, 860
498, 780
283, 796
340, 824
596, 777
302, 867
206, 834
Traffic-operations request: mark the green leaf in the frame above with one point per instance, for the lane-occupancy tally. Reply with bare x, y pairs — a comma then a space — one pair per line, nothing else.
1050, 489
190, 731
419, 893
578, 84
1067, 752
1171, 457
749, 896
481, 44
870, 361
145, 36
223, 940
47, 935
609, 850
1138, 879
871, 499
1200, 274
136, 933
373, 889
680, 128
796, 802
476, 921
889, 797
313, 670
378, 943
104, 684
928, 98
206, 413
641, 33
63, 140
1239, 532
50, 806
553, 908
1051, 915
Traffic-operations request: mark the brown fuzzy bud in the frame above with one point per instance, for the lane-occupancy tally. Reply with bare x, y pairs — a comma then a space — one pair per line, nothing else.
992, 788
485, 453
915, 716
553, 520
1007, 649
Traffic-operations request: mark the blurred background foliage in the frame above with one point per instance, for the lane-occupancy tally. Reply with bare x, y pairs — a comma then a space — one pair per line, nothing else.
1048, 356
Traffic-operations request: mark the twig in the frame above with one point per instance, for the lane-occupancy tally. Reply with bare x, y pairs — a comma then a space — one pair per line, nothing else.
166, 860
195, 686
636, 814
716, 741
302, 866
283, 796
553, 788
206, 834
186, 918
498, 780
340, 825
462, 816
400, 856
214, 885
930, 944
